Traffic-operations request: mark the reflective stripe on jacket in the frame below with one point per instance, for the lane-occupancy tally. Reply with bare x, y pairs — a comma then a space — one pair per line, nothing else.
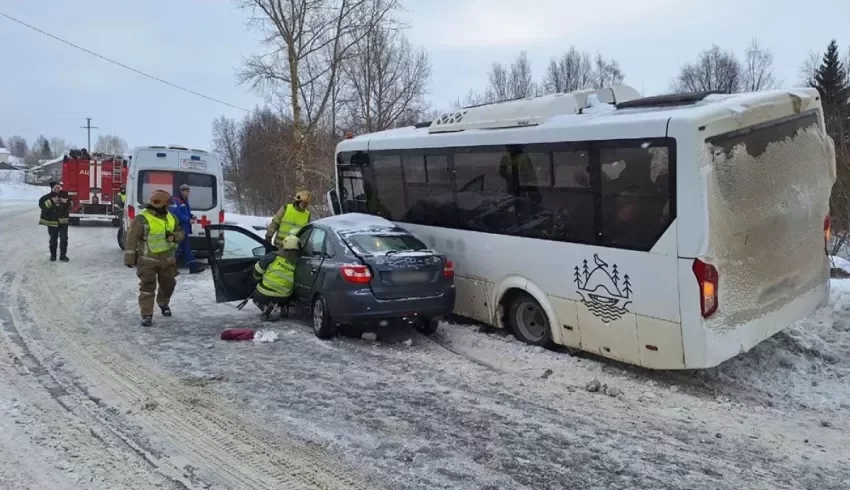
278, 278
158, 231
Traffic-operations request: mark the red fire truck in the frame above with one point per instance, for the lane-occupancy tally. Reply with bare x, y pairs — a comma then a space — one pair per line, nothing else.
94, 182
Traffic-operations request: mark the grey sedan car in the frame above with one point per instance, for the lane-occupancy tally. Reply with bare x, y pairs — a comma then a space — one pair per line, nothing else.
353, 269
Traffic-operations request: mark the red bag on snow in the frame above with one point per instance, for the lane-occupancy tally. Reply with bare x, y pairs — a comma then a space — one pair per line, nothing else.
237, 334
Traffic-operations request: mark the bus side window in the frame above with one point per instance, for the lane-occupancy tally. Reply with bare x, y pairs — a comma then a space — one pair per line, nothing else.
633, 202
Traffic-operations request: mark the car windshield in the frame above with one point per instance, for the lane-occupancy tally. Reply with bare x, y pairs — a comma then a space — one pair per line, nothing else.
385, 243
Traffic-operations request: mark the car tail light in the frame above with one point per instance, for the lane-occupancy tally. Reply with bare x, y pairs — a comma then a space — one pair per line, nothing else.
449, 269
355, 274
708, 279
221, 217
827, 232
131, 212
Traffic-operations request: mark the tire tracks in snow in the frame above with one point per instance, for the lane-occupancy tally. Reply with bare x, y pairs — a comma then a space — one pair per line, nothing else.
196, 424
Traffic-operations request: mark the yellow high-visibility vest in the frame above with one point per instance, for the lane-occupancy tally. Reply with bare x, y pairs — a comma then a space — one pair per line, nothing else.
158, 230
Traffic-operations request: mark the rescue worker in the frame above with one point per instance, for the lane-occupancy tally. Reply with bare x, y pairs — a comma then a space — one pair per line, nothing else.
151, 244
122, 197
55, 207
289, 219
275, 276
183, 212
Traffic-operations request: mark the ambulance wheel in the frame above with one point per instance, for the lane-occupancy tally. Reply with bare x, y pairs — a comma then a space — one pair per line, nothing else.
323, 326
121, 238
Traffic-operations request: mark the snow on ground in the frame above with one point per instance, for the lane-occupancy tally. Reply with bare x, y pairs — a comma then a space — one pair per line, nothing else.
12, 176
807, 365
18, 193
840, 263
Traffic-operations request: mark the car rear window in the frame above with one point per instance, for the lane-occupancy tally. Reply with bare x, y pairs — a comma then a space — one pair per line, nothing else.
378, 243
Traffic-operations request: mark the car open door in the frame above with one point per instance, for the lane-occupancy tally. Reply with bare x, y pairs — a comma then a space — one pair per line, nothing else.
232, 270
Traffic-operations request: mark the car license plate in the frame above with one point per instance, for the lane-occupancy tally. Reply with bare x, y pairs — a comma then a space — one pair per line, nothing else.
410, 276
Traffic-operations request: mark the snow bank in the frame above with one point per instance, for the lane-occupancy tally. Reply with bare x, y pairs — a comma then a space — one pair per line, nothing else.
807, 365
21, 193
12, 176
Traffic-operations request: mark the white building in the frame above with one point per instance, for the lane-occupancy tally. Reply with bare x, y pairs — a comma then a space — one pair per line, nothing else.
5, 155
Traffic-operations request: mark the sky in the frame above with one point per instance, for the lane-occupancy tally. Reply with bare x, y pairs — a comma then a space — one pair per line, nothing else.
49, 88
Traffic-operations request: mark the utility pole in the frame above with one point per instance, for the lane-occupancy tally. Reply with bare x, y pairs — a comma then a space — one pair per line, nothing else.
88, 127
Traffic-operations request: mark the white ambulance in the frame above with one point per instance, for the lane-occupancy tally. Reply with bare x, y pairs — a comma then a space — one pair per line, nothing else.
166, 168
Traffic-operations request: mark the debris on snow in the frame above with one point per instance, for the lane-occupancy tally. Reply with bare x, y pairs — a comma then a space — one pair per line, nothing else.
547, 373
369, 336
237, 334
408, 342
613, 391
593, 386
266, 336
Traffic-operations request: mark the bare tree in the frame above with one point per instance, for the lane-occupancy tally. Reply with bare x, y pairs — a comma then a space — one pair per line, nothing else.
508, 83
309, 41
59, 146
110, 144
572, 71
608, 72
386, 79
758, 68
714, 70
18, 146
227, 144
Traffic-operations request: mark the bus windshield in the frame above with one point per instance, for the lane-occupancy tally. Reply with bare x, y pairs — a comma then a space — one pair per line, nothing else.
204, 196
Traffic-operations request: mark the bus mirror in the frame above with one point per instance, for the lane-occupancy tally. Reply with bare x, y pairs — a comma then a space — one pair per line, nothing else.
333, 202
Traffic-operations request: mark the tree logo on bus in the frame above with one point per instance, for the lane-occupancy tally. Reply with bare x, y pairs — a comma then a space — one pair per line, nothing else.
602, 290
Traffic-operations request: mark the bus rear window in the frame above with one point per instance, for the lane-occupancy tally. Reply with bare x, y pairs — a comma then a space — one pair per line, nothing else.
204, 195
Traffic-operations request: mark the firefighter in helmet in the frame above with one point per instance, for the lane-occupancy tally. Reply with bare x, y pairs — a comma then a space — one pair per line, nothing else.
289, 219
275, 276
122, 197
151, 245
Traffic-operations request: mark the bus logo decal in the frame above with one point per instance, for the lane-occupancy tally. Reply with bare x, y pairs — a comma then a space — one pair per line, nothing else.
602, 290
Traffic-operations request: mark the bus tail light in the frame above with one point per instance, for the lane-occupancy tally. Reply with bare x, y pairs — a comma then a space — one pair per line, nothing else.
131, 212
708, 280
356, 274
827, 232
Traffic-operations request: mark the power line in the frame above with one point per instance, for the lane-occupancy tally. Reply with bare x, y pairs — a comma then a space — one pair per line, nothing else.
122, 65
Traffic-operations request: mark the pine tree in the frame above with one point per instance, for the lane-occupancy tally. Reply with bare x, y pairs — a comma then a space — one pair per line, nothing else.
46, 153
586, 270
832, 82
577, 277
627, 286
615, 275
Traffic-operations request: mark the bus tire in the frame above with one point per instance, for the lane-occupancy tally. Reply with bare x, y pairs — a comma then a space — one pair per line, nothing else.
121, 238
528, 320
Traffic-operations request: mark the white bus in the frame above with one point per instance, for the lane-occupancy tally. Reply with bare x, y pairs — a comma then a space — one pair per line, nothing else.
670, 232
167, 168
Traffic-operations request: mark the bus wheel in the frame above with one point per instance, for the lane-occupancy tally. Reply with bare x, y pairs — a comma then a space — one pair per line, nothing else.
528, 320
121, 238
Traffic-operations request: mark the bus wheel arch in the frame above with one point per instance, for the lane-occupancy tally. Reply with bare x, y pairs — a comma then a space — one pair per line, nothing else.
528, 297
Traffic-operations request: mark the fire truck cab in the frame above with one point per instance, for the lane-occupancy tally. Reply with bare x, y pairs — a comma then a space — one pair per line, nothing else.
93, 182
167, 168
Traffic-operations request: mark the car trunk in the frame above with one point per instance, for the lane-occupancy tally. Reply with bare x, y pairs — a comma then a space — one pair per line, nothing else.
405, 274
768, 200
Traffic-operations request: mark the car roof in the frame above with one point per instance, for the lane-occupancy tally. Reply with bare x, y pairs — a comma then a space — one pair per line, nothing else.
356, 223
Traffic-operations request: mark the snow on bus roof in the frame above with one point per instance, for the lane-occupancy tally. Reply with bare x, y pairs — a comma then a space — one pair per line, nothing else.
710, 106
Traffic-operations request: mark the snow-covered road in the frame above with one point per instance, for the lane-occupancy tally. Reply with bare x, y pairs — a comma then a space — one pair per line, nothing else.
92, 400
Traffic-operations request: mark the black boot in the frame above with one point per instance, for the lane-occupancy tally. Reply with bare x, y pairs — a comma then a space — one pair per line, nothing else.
267, 313
147, 320
53, 257
64, 258
284, 311
166, 311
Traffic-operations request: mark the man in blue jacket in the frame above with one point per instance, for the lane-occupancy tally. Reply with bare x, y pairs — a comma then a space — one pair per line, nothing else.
183, 212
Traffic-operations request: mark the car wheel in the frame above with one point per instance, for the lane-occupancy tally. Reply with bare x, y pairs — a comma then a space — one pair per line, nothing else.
427, 326
322, 325
121, 238
529, 321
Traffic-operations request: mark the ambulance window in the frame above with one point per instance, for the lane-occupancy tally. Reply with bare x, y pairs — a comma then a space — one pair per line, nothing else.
203, 196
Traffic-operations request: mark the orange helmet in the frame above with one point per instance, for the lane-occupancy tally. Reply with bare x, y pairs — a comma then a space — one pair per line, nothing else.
159, 199
303, 196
